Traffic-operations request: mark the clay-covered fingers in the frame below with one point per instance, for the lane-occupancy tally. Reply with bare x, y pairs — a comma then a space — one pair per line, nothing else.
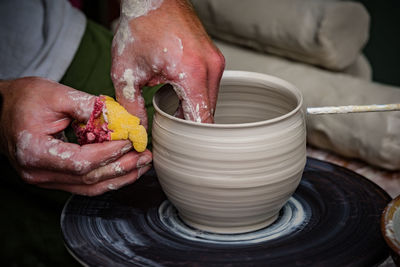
124, 165
179, 112
41, 176
136, 107
100, 187
127, 163
214, 74
33, 113
77, 104
197, 81
52, 154
195, 102
128, 81
198, 88
61, 100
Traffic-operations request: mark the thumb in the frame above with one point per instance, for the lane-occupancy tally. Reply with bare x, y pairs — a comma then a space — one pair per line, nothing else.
77, 104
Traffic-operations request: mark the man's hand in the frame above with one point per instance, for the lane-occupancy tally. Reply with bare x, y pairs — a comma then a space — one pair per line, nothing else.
34, 112
163, 41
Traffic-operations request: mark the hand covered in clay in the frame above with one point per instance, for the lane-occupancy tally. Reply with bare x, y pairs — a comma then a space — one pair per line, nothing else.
163, 41
34, 112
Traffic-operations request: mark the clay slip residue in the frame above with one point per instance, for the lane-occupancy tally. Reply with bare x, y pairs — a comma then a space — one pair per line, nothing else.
129, 90
131, 9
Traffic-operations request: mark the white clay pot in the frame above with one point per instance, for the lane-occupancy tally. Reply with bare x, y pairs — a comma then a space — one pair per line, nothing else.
235, 175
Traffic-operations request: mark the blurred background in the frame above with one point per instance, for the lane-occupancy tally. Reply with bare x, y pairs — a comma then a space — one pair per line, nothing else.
382, 49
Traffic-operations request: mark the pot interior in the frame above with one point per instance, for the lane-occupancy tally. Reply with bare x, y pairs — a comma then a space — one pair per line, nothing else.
241, 101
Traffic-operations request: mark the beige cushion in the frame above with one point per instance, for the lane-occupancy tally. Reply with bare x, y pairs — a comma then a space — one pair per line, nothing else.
327, 33
373, 137
361, 68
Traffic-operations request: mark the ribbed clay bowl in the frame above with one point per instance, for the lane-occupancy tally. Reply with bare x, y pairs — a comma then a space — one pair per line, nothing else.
235, 175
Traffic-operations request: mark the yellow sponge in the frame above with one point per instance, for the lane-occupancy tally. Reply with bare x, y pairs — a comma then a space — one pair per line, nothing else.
124, 125
111, 121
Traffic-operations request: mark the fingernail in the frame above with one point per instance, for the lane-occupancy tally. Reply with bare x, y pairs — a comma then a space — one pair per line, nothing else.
92, 177
126, 148
142, 170
143, 160
111, 186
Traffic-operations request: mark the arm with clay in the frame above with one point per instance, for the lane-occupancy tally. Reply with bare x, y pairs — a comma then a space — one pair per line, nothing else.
163, 41
34, 112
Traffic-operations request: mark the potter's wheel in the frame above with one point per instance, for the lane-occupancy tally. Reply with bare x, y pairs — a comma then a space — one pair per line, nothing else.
331, 220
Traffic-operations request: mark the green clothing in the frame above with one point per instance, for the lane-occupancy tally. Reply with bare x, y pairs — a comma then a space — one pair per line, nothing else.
30, 224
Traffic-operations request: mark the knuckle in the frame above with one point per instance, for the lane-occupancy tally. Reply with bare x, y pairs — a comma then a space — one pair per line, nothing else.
93, 176
222, 61
89, 180
81, 166
218, 60
81, 171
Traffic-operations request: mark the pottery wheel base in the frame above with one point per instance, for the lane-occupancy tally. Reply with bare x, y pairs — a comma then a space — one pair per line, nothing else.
229, 230
291, 217
332, 219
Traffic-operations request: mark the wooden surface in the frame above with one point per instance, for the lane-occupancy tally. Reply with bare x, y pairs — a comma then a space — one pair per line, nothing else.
388, 180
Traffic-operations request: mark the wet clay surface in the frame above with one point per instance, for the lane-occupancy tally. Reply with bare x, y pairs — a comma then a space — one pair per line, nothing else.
339, 212
235, 175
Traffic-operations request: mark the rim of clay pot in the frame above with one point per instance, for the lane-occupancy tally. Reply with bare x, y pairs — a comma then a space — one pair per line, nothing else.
387, 224
255, 76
